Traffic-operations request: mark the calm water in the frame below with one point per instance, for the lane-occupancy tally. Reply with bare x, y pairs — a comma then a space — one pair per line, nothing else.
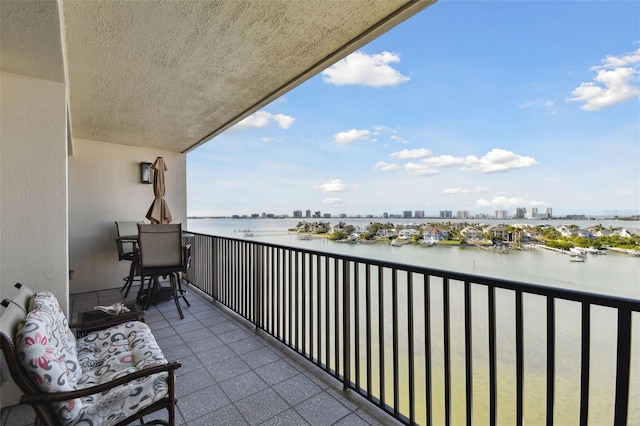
614, 274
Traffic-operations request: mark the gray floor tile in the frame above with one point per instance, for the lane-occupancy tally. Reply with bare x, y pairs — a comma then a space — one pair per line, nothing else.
227, 369
203, 402
286, 418
276, 371
225, 416
322, 409
297, 389
241, 386
261, 406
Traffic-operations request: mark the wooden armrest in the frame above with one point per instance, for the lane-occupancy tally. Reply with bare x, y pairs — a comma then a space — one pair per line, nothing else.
65, 396
110, 321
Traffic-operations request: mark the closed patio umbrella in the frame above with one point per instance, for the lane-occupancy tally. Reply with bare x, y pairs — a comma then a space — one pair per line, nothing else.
159, 210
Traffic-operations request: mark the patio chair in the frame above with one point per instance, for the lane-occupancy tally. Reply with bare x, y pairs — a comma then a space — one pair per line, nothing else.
112, 376
162, 254
127, 250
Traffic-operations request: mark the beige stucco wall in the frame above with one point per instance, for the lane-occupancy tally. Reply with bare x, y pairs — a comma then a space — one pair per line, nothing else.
33, 191
104, 187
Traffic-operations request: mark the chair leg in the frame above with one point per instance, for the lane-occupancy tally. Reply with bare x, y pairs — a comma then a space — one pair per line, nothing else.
174, 289
182, 292
129, 282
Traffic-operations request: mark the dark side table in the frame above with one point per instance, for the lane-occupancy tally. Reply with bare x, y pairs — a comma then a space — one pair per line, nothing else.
89, 321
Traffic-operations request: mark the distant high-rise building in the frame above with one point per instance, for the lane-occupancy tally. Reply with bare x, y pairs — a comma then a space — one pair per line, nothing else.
406, 214
463, 214
446, 214
385, 215
419, 214
343, 215
297, 213
327, 215
549, 212
308, 213
534, 213
501, 214
317, 214
520, 212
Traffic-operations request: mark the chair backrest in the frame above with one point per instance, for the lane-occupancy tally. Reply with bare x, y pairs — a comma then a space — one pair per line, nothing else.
126, 229
15, 312
160, 245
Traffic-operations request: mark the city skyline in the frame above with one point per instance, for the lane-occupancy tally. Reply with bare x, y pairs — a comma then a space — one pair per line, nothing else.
470, 106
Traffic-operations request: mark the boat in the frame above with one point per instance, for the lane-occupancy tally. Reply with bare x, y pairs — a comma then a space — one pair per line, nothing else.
576, 258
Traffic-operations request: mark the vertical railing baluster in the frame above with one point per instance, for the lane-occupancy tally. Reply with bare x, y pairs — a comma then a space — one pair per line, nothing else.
468, 347
290, 298
493, 397
410, 347
356, 320
446, 312
303, 302
318, 320
381, 367
623, 366
585, 352
327, 315
519, 360
336, 314
551, 363
368, 320
427, 349
396, 361
346, 328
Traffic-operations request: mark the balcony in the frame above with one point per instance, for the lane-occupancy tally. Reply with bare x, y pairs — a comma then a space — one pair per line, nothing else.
300, 336
231, 373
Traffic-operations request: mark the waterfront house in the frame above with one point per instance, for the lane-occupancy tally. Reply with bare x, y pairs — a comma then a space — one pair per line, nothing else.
407, 233
471, 233
435, 233
90, 90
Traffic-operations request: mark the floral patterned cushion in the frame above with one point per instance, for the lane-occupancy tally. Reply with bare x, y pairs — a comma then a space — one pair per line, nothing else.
114, 352
64, 337
45, 360
57, 362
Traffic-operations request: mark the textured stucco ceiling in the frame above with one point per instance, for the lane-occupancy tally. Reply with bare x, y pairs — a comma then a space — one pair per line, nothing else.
172, 74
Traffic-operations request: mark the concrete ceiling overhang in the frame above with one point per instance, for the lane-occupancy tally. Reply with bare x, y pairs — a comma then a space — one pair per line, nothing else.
174, 74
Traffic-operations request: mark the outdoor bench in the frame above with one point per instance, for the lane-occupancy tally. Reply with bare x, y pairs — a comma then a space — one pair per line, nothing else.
112, 376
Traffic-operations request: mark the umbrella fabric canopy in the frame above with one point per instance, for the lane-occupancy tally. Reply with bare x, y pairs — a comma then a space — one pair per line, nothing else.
159, 210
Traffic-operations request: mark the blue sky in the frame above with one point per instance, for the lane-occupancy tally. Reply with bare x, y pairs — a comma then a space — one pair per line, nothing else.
477, 106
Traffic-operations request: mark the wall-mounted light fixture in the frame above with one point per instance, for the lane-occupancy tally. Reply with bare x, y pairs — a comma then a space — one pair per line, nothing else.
145, 173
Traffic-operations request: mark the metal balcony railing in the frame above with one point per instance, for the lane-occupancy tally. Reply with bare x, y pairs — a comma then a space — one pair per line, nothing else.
435, 347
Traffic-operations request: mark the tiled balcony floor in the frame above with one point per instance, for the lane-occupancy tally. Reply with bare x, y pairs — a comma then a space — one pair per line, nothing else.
231, 374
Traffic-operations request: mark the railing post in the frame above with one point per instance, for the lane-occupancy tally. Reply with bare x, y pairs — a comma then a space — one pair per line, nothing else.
346, 324
257, 286
623, 365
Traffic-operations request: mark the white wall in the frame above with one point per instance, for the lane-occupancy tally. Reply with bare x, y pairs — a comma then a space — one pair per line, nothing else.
104, 187
33, 191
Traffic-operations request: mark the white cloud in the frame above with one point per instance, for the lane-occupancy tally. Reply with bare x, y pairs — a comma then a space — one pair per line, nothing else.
284, 121
335, 185
503, 201
497, 160
548, 105
351, 136
411, 153
385, 167
267, 140
399, 139
263, 118
455, 191
613, 83
333, 200
366, 70
443, 161
415, 169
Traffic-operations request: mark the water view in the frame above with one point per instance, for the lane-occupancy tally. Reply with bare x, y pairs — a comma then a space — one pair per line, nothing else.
614, 274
